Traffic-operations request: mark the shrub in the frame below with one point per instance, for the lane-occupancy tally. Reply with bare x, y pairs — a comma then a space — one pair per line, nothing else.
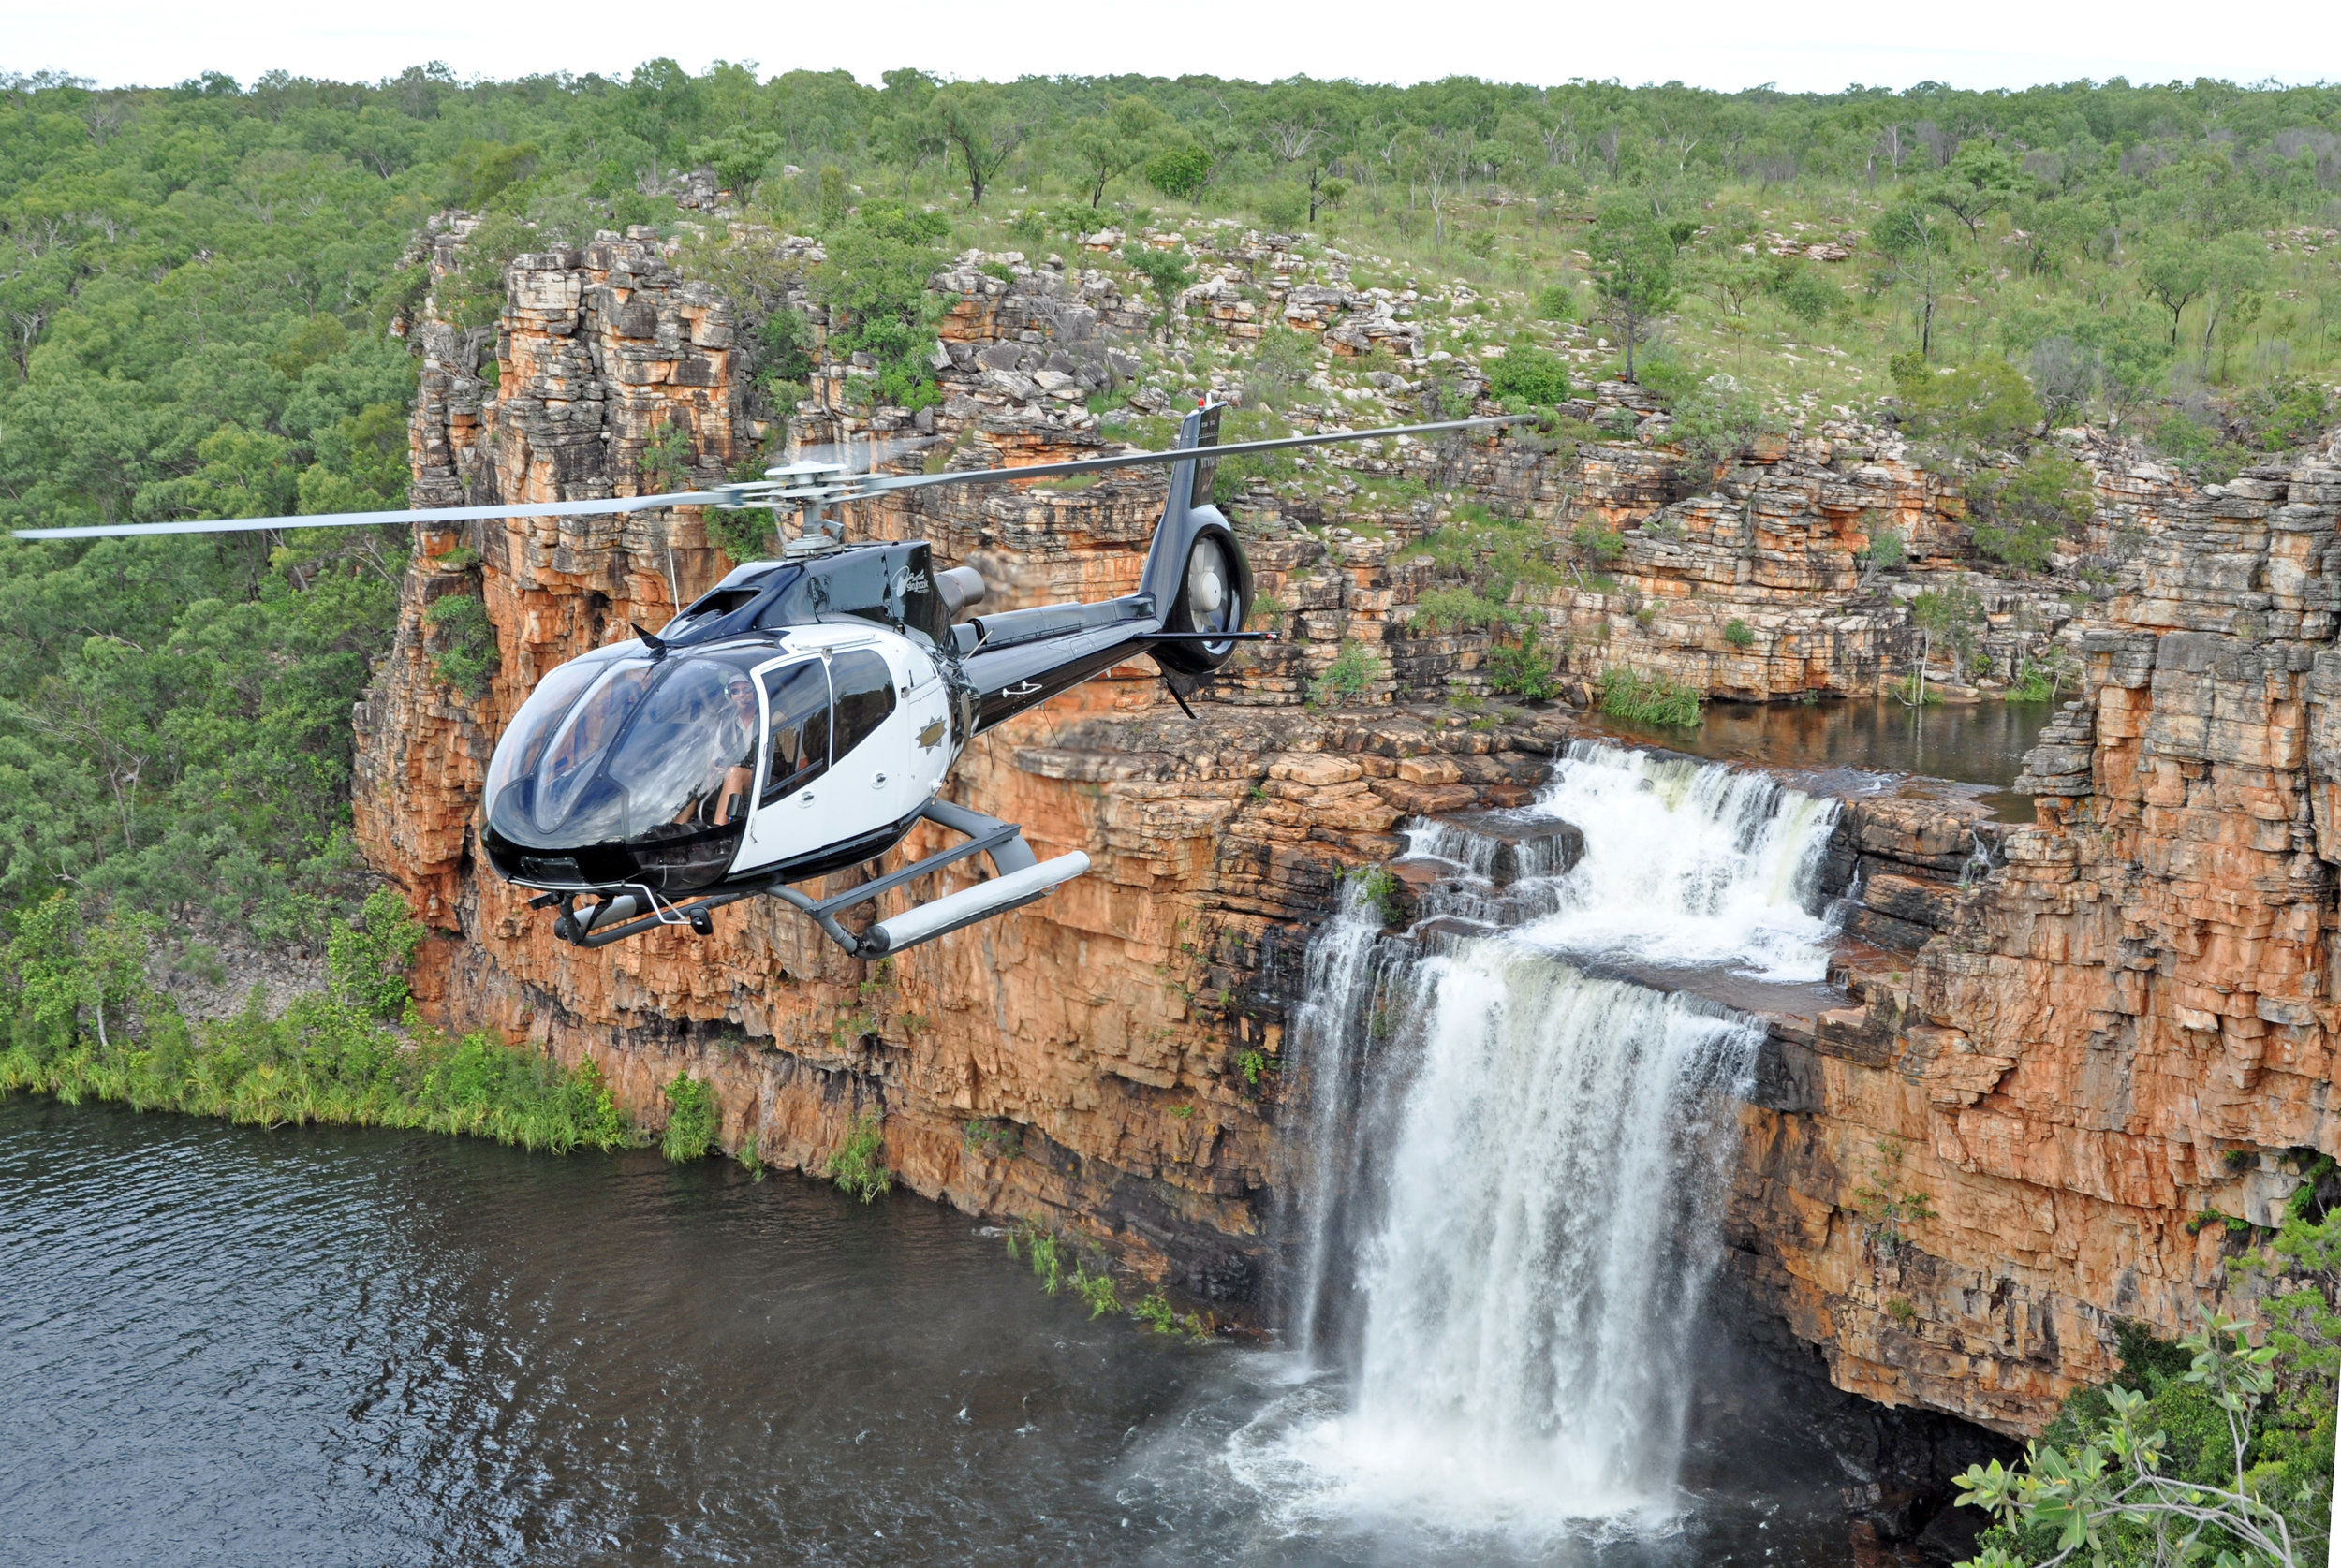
1180, 172
690, 1119
1806, 295
2289, 412
79, 1021
1985, 403
2203, 454
877, 275
1458, 609
1740, 635
1651, 699
859, 1164
1281, 360
461, 641
1556, 302
1166, 271
1523, 669
2028, 512
1530, 377
1285, 208
367, 960
1350, 674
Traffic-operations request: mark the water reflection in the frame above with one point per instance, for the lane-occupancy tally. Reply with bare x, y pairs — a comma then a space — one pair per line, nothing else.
226, 1345
1973, 744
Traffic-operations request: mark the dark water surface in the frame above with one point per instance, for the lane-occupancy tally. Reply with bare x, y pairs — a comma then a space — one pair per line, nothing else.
1981, 744
230, 1345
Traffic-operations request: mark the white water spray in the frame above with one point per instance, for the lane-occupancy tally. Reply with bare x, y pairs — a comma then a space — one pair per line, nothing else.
1531, 1163
1688, 865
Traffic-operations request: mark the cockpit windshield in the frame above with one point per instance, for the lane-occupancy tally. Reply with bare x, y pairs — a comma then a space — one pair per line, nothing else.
629, 749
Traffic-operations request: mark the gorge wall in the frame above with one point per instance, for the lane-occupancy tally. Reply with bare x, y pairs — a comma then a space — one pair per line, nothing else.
2124, 1023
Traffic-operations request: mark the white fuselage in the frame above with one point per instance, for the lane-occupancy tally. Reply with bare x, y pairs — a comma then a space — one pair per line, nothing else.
874, 777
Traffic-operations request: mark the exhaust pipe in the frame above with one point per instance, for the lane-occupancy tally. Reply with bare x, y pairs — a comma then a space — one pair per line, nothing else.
969, 904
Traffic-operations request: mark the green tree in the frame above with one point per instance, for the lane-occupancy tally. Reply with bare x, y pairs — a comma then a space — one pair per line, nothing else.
1104, 147
877, 277
1181, 171
1910, 237
982, 130
1980, 179
739, 156
2029, 512
2124, 1492
1633, 269
2237, 270
2174, 275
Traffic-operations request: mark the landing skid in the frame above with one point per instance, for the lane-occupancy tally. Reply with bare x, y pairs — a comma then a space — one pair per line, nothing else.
1019, 879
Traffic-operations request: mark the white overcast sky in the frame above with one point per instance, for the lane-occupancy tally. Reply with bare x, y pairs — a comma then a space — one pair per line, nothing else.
1808, 46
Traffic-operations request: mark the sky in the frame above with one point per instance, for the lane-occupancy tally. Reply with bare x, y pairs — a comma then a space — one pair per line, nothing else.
1821, 45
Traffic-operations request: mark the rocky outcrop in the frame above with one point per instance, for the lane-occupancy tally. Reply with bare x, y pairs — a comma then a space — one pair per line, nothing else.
2061, 1045
2017, 1132
1104, 1059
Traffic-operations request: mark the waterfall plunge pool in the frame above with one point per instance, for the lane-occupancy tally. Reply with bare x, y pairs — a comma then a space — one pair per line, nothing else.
230, 1345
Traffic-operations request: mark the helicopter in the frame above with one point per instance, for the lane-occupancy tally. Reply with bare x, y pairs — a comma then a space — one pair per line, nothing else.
803, 716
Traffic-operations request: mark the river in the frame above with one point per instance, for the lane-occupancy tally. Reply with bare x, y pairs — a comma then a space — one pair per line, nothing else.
239, 1345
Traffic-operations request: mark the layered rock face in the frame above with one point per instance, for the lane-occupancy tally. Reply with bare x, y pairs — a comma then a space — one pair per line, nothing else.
1106, 1059
2014, 1135
2063, 1042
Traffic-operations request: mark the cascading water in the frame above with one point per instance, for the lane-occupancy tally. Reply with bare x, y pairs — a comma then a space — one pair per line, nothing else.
1688, 865
1515, 1167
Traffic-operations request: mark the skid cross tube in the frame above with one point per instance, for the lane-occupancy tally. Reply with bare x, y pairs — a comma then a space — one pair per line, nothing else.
1002, 841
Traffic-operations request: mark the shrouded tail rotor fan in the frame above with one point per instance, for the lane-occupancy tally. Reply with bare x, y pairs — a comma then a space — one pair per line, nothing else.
1215, 596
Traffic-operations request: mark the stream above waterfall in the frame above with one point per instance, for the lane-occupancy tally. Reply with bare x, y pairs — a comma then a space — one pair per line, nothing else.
1978, 744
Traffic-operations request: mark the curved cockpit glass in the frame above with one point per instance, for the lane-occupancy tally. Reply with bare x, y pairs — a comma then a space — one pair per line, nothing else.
632, 768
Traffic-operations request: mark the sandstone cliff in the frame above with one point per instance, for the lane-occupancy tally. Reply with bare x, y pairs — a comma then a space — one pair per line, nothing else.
2016, 1134
1952, 1184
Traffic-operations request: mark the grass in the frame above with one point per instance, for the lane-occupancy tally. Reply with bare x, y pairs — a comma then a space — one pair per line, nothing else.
1378, 888
325, 1062
690, 1119
1650, 700
858, 1165
1057, 1264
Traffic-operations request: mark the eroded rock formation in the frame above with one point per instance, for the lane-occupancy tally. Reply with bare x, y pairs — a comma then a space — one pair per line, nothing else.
2014, 1135
2053, 1057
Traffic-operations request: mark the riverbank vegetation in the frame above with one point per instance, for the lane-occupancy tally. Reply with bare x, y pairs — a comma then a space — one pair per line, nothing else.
2217, 1448
83, 1020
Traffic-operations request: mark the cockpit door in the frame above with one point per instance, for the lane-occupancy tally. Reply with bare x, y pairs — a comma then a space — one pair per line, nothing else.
792, 772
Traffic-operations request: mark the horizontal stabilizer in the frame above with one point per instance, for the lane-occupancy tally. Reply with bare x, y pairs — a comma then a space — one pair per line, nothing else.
970, 904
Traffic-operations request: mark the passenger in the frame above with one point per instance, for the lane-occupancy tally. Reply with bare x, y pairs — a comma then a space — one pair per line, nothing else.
731, 792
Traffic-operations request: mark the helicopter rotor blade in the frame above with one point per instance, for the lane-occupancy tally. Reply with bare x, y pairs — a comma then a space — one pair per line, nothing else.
886, 482
368, 519
866, 456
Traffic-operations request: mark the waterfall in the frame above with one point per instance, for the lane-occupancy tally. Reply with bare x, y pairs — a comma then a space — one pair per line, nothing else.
1518, 1166
1338, 977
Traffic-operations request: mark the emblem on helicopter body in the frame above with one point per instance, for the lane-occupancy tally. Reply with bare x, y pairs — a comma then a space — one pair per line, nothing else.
931, 736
